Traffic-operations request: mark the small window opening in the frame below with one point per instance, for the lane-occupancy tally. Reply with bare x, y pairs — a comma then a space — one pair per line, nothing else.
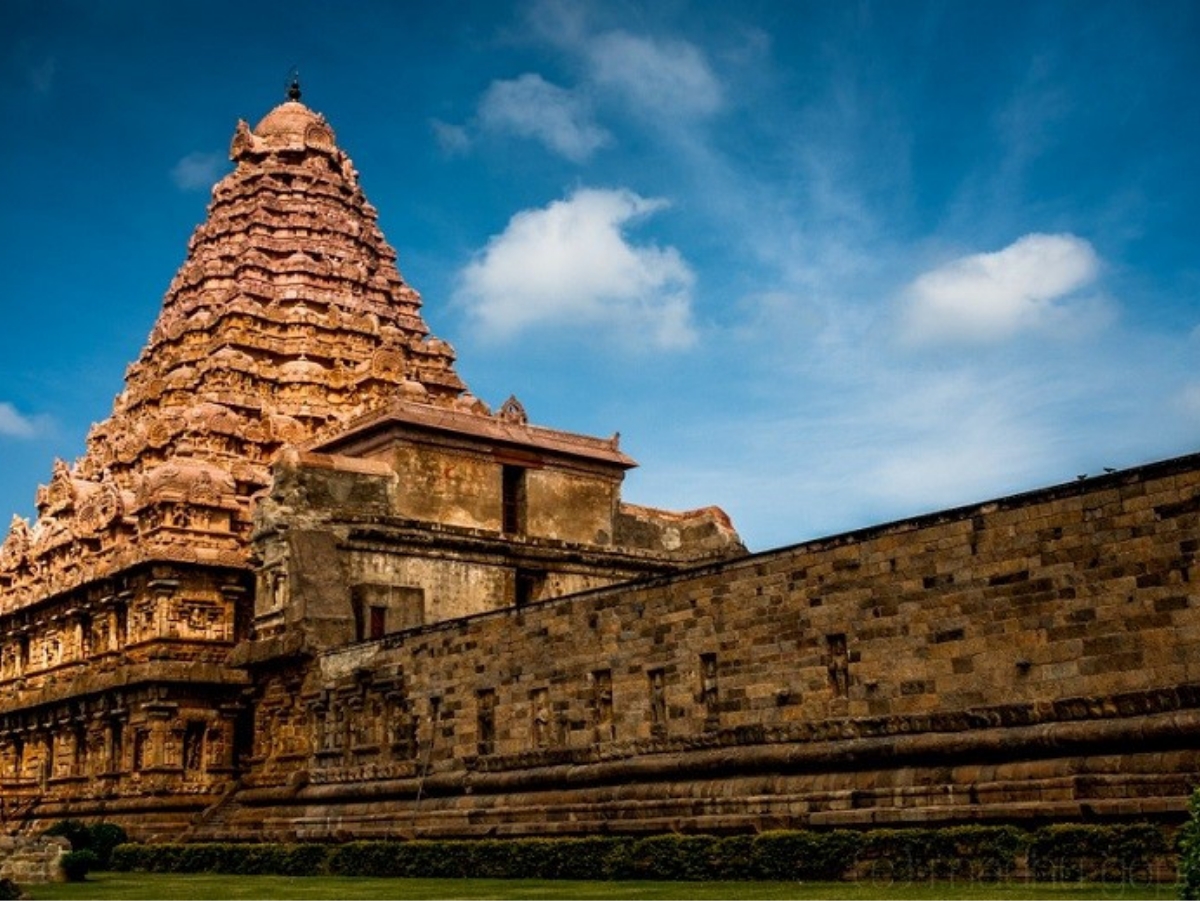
528, 585
116, 747
378, 622
487, 721
513, 500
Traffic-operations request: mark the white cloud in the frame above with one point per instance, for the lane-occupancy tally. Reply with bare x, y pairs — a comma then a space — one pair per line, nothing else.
531, 107
669, 78
989, 297
952, 437
198, 171
453, 139
570, 264
13, 424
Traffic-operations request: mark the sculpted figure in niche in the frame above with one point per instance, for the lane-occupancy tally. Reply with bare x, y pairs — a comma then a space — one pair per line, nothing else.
9, 661
402, 726
181, 516
375, 717
658, 701
839, 665
541, 718
708, 685
193, 748
328, 730
215, 745
264, 735
51, 650
278, 589
100, 634
316, 726
602, 705
339, 727
358, 726
95, 752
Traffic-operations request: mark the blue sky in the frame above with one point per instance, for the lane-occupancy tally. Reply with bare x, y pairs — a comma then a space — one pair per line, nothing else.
824, 264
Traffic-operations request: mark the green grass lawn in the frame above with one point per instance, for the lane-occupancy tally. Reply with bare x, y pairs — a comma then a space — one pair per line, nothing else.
211, 886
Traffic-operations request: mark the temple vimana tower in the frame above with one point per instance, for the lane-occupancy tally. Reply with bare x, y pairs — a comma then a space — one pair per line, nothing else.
303, 584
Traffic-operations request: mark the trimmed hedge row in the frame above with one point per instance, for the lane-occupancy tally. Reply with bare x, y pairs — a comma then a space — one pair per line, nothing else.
980, 853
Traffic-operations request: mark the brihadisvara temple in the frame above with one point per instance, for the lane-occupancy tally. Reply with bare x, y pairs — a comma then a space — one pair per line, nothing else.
303, 585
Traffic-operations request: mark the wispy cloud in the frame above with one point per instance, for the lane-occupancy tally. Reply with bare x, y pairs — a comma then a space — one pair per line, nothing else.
198, 171
571, 264
531, 107
988, 297
16, 425
454, 140
664, 78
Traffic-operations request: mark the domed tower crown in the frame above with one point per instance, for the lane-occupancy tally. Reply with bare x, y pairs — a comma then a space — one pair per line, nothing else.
287, 318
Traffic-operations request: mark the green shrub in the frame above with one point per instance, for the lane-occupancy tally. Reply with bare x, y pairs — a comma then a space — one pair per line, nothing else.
73, 831
962, 852
675, 857
368, 859
126, 858
731, 858
9, 890
987, 853
1189, 851
77, 864
803, 855
966, 852
1072, 853
597, 857
303, 860
102, 838
243, 859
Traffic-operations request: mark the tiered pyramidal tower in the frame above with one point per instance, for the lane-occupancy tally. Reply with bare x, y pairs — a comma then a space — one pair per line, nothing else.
119, 604
287, 316
159, 619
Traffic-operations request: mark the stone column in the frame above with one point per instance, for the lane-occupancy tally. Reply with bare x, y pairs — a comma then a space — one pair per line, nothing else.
158, 722
221, 748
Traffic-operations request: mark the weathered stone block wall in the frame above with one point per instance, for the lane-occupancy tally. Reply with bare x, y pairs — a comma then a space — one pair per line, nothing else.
1074, 593
569, 506
458, 488
1037, 656
32, 859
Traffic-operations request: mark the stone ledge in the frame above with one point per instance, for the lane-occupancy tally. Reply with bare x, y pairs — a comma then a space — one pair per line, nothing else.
160, 671
1063, 739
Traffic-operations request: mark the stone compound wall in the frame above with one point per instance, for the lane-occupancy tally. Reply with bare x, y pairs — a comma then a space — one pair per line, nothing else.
32, 859
1031, 659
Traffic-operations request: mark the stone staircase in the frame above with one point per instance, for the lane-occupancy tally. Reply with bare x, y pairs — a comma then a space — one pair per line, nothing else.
209, 825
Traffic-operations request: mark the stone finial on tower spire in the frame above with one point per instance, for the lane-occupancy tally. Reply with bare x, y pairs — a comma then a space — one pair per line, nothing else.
293, 91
